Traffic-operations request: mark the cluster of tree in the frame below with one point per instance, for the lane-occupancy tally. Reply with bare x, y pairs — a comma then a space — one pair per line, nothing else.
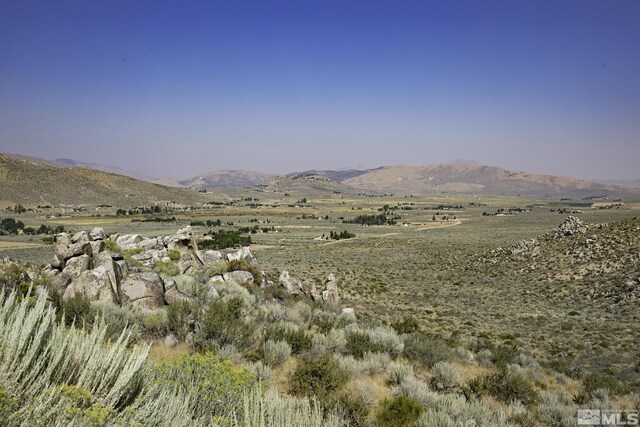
207, 223
340, 235
223, 239
172, 219
12, 226
144, 210
371, 220
17, 209
255, 229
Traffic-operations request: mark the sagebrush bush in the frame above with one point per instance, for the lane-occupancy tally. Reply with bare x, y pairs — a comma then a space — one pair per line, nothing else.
296, 338
426, 349
276, 352
262, 372
556, 408
445, 376
37, 353
270, 409
387, 340
398, 372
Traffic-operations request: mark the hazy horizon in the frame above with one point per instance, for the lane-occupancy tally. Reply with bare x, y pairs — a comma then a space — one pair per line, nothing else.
169, 89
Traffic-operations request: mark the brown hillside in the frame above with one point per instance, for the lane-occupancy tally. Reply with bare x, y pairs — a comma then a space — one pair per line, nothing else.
30, 182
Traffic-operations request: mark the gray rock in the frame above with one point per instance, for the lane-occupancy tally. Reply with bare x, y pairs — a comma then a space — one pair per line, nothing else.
57, 262
78, 265
97, 246
81, 237
63, 239
74, 250
113, 270
49, 271
97, 233
240, 277
129, 241
174, 296
61, 281
285, 280
243, 254
124, 267
94, 284
143, 290
149, 244
330, 294
209, 257
315, 295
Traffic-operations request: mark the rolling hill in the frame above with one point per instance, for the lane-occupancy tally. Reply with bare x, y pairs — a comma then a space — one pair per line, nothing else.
307, 184
225, 178
30, 181
472, 178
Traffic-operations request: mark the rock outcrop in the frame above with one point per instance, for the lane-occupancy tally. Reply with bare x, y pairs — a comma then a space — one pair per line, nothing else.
150, 272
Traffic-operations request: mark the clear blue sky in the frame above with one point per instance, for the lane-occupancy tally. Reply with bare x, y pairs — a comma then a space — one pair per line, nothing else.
176, 88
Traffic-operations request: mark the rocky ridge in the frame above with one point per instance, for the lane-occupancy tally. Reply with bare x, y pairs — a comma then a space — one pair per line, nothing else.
597, 261
148, 273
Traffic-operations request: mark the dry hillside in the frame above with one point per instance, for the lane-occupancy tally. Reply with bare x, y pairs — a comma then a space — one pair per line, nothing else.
471, 178
30, 182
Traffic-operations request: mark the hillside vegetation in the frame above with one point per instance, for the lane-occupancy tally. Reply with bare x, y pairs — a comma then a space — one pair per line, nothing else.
34, 183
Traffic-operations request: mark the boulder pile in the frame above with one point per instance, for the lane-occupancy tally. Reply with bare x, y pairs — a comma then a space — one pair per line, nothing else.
148, 273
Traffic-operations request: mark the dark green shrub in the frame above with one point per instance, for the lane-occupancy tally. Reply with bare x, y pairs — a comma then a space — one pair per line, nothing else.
168, 268
426, 349
242, 265
298, 340
8, 406
352, 408
224, 239
359, 343
400, 411
173, 254
599, 380
215, 388
504, 355
407, 325
180, 315
319, 377
223, 324
74, 311
505, 386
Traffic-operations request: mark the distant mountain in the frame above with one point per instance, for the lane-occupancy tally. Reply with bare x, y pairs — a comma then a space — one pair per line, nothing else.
31, 181
336, 175
70, 163
307, 184
226, 178
472, 178
630, 183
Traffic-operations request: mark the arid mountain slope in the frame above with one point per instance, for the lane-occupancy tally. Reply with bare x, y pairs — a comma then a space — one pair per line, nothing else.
307, 185
226, 178
31, 182
471, 178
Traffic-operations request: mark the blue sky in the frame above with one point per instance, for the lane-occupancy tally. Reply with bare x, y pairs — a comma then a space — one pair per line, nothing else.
176, 88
